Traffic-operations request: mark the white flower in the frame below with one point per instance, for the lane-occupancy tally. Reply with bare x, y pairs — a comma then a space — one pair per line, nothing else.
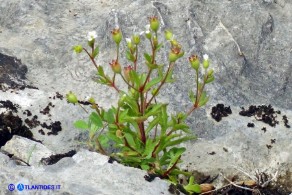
147, 30
91, 35
128, 40
205, 56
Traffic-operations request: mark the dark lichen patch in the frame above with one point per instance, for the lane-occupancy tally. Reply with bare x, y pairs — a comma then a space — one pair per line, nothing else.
112, 160
53, 159
211, 153
150, 177
41, 131
32, 123
46, 110
220, 111
12, 125
263, 113
27, 113
55, 127
9, 105
285, 120
12, 71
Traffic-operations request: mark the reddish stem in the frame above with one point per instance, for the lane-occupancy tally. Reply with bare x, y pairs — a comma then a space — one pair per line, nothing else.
162, 82
171, 168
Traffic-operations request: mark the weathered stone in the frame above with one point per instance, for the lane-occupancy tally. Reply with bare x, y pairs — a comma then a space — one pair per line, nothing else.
85, 173
27, 150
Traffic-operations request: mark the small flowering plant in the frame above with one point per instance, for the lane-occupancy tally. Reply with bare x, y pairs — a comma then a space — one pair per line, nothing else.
140, 128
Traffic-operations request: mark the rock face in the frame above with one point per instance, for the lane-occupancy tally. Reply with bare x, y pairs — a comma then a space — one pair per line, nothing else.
249, 45
69, 175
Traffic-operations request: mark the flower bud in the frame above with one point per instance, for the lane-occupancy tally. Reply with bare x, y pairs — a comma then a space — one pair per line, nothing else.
117, 35
154, 23
91, 100
206, 61
129, 43
136, 39
195, 62
148, 34
174, 43
176, 53
172, 57
127, 72
78, 48
168, 35
116, 67
71, 98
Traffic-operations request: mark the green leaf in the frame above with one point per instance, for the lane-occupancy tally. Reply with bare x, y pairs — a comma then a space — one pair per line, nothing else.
130, 56
180, 140
132, 106
192, 96
153, 110
117, 141
152, 124
150, 145
209, 80
203, 99
159, 46
169, 78
100, 71
175, 154
152, 83
151, 66
147, 57
103, 140
123, 114
203, 95
194, 188
134, 77
130, 159
145, 167
109, 116
181, 126
80, 124
130, 140
164, 118
95, 119
160, 71
95, 52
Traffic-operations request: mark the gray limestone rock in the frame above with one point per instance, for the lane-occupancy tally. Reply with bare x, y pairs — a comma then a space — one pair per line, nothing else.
28, 151
85, 173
